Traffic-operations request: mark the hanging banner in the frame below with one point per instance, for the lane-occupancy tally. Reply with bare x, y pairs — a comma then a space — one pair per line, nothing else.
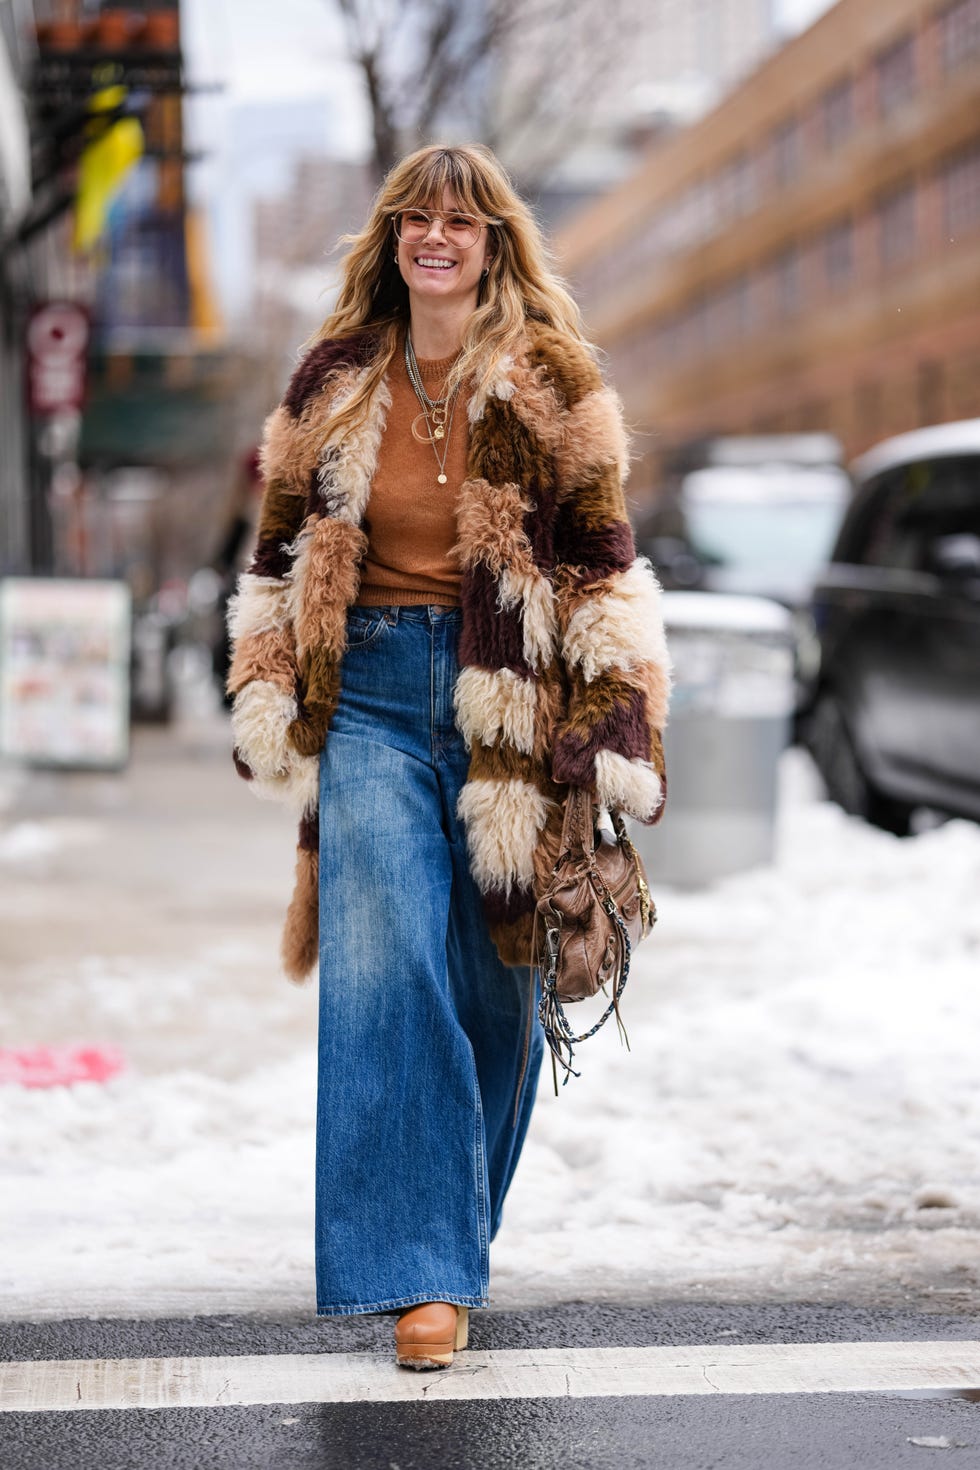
64, 671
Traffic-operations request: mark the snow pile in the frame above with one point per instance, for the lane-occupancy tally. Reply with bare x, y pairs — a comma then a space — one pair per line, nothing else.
798, 1117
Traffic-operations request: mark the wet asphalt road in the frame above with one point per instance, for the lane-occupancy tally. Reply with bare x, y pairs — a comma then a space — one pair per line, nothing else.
825, 1431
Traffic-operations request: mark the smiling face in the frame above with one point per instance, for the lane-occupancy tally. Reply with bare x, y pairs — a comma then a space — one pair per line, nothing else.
436, 269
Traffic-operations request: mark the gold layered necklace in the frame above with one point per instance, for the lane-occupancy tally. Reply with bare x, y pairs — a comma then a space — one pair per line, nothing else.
437, 413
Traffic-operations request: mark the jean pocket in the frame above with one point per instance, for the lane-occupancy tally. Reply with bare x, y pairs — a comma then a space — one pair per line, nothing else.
364, 625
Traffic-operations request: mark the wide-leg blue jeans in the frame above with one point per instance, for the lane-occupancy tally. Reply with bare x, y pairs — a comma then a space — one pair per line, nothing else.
421, 1026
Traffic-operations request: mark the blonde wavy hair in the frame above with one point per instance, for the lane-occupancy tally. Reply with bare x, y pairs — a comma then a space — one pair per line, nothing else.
521, 283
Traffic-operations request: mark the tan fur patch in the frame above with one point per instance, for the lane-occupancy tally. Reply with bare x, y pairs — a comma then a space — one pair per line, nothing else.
536, 404
502, 821
569, 364
490, 526
513, 940
326, 575
655, 682
300, 936
597, 501
595, 435
269, 656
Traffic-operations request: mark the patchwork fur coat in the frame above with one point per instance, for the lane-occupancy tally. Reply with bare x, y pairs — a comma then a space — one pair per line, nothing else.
564, 671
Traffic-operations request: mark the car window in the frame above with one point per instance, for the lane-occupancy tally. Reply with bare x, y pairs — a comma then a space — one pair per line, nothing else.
915, 509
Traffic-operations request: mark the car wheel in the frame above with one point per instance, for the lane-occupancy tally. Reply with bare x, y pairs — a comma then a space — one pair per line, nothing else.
829, 742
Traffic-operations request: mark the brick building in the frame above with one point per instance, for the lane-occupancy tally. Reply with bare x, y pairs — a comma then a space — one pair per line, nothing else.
807, 255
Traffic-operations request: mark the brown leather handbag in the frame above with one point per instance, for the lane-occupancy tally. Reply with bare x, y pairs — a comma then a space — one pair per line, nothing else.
594, 910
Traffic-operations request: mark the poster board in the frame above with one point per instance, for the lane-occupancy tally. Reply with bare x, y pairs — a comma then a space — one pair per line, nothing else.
64, 671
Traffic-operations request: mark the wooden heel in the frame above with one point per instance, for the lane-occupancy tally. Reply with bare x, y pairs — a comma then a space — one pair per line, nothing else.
462, 1328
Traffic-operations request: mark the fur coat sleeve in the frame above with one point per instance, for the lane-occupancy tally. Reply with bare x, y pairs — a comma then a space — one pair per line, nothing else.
607, 602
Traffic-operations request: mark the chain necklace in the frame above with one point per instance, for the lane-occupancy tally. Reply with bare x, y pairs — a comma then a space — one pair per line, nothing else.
434, 412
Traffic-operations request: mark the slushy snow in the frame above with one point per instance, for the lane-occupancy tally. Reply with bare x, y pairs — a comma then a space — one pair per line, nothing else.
798, 1117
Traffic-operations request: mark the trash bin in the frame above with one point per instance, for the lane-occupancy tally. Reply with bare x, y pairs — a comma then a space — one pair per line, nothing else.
730, 719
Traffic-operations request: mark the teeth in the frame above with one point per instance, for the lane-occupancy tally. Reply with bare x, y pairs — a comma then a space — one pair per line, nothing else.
442, 265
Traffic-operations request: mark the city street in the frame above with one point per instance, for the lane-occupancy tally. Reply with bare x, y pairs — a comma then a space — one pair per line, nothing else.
787, 1155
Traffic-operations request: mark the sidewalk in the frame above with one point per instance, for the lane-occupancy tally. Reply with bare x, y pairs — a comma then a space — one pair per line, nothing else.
798, 1117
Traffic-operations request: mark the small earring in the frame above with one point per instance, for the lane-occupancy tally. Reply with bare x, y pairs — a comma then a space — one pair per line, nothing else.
485, 271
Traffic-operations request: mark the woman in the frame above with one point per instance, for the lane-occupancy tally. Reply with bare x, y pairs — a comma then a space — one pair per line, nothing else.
444, 624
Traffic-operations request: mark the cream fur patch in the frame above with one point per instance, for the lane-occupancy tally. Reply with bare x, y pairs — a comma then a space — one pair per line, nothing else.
595, 435
632, 786
260, 717
500, 386
259, 605
347, 469
536, 598
491, 702
502, 820
620, 626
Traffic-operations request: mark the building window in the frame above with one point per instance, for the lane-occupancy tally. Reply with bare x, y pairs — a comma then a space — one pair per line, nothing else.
897, 227
961, 193
735, 190
895, 75
838, 255
959, 34
837, 113
789, 282
787, 153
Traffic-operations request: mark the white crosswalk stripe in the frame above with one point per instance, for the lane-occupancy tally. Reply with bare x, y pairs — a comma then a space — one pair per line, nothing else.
768, 1368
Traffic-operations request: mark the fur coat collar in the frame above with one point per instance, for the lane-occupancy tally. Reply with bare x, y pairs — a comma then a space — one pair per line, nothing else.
564, 672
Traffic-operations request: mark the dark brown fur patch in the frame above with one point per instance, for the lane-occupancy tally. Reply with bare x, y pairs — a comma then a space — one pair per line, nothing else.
597, 553
281, 514
504, 908
612, 722
242, 766
309, 832
323, 359
490, 638
319, 693
271, 559
505, 451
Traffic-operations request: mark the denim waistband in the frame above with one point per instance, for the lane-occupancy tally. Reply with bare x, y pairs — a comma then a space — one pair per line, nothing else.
422, 612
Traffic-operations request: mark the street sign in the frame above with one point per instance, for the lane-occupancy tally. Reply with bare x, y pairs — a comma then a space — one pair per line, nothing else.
57, 356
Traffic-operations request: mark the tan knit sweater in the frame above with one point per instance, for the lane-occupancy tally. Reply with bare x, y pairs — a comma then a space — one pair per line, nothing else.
410, 517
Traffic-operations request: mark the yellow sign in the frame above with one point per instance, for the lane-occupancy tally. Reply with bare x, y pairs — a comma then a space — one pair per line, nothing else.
104, 165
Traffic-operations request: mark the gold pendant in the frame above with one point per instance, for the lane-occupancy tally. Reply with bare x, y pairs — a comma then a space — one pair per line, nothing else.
441, 479
438, 432
416, 434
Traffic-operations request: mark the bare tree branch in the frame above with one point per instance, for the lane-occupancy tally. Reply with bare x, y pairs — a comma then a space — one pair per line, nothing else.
523, 75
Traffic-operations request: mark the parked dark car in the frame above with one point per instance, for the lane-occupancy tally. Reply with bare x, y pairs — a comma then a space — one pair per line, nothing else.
893, 720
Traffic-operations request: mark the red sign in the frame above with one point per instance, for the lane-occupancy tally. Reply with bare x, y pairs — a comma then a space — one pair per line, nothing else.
57, 355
